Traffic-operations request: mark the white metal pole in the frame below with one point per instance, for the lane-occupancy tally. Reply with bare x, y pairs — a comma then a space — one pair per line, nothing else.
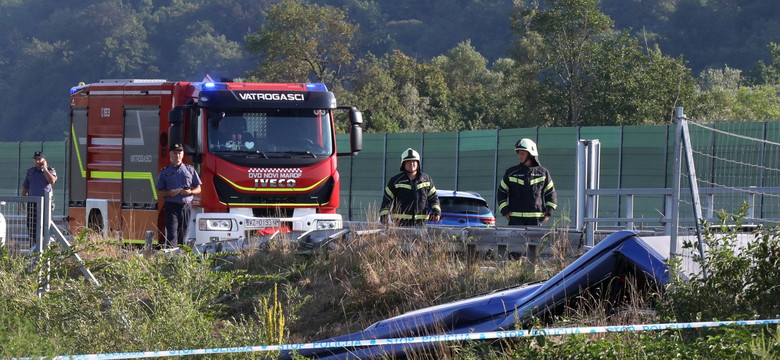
579, 188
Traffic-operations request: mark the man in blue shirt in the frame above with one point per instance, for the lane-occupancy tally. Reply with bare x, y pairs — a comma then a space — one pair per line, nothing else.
38, 182
177, 183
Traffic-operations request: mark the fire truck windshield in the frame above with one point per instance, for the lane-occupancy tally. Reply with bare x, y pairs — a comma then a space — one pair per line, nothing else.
273, 133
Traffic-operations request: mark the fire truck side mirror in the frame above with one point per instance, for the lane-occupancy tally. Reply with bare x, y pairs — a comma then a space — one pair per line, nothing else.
355, 139
175, 118
355, 116
176, 115
355, 131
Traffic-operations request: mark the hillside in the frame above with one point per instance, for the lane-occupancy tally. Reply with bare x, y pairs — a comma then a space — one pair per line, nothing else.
53, 45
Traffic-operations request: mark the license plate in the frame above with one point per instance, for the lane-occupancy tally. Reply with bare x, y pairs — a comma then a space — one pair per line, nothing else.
263, 223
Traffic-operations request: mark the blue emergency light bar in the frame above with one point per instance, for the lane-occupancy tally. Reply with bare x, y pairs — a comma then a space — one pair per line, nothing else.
212, 85
316, 87
76, 88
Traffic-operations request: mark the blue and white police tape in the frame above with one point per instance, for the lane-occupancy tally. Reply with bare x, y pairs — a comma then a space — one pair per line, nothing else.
427, 339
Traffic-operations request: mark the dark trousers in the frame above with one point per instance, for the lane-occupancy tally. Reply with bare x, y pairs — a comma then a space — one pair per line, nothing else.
529, 221
177, 222
410, 223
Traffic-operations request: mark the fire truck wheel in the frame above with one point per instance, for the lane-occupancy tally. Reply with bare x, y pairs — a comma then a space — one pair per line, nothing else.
95, 222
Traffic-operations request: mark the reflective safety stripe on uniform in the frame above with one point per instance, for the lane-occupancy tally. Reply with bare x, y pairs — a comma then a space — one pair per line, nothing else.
403, 186
517, 180
551, 205
537, 180
502, 205
410, 217
527, 214
431, 192
388, 192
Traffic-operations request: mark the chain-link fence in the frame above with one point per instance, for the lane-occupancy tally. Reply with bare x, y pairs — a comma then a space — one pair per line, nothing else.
24, 223
17, 157
633, 157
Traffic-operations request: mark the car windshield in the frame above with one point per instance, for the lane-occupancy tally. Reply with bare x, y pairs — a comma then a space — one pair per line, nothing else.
278, 132
463, 206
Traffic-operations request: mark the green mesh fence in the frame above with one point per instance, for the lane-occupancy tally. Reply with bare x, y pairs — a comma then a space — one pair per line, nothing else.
631, 157
17, 157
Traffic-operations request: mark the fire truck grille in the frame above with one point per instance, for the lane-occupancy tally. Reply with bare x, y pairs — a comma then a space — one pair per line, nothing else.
316, 197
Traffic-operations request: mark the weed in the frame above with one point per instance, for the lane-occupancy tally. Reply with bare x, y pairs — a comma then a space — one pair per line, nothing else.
273, 295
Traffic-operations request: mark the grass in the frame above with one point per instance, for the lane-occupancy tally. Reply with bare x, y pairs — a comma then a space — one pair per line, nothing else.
272, 295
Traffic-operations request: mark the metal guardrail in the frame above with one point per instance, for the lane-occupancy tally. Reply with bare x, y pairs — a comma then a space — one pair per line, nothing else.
708, 194
479, 243
588, 195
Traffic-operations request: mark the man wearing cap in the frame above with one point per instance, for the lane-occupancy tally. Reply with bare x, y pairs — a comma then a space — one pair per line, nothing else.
38, 182
177, 183
526, 195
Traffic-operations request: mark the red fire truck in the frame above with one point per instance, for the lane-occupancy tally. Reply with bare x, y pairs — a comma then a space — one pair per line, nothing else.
266, 154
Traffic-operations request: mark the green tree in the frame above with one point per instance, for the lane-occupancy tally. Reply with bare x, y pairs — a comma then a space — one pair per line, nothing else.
762, 74
631, 86
723, 97
302, 42
396, 93
207, 52
420, 90
560, 39
588, 73
476, 93
717, 32
60, 46
374, 95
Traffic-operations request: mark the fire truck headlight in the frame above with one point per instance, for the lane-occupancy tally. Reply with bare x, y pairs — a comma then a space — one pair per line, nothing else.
326, 224
215, 225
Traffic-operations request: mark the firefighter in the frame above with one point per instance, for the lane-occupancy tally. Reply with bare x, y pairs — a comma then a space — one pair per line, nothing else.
526, 195
177, 183
410, 197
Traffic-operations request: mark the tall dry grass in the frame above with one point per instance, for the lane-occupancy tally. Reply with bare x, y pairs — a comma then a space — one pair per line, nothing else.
185, 300
376, 276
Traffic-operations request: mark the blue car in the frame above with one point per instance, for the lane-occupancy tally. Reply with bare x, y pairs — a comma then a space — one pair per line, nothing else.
463, 208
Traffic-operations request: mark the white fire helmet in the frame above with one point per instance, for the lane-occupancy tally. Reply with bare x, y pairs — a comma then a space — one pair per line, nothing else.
409, 154
527, 145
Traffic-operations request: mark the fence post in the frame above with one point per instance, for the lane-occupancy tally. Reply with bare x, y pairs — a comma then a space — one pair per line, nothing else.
668, 210
457, 158
629, 211
18, 168
579, 186
351, 180
675, 209
384, 163
496, 176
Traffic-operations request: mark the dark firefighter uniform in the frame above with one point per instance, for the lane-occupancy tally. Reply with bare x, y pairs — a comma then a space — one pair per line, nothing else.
409, 201
527, 194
